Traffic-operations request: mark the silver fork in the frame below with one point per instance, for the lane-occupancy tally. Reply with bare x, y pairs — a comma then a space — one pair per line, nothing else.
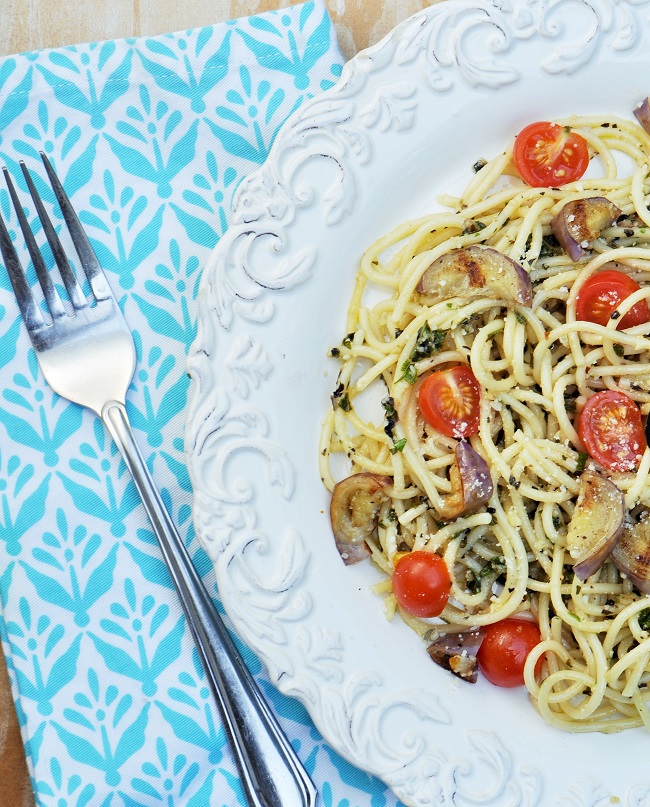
89, 357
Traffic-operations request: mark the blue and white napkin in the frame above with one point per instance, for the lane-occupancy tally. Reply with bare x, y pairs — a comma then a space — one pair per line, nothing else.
150, 137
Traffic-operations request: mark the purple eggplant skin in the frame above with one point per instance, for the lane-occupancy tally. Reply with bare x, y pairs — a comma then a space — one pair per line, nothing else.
642, 114
471, 482
354, 512
477, 271
457, 652
632, 553
596, 525
580, 221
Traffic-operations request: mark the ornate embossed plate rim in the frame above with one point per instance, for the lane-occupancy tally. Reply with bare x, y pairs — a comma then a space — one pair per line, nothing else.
330, 162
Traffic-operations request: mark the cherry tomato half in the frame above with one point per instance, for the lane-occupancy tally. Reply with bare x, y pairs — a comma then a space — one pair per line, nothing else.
450, 401
548, 155
610, 427
504, 650
421, 583
603, 292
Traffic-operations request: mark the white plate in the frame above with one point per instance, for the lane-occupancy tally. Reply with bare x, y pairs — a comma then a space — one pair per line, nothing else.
407, 120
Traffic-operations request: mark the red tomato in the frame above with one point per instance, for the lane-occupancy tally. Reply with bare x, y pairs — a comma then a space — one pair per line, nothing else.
548, 155
421, 583
603, 292
504, 650
450, 401
610, 427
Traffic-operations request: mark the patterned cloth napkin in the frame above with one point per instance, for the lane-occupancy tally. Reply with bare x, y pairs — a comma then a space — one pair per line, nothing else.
150, 137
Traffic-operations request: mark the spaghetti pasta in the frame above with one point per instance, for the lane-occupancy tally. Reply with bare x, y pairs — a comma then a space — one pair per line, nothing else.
536, 366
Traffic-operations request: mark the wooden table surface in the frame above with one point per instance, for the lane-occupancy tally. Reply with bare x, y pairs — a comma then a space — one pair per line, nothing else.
34, 24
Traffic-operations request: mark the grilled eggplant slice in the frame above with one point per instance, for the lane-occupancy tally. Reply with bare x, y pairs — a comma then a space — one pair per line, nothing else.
477, 271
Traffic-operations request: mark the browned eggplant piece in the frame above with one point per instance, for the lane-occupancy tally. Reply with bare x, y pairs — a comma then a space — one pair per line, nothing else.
596, 525
354, 510
471, 483
642, 114
632, 552
456, 652
477, 271
580, 221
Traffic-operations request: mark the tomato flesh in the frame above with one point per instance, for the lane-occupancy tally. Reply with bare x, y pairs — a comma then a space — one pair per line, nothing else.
421, 583
603, 292
548, 155
504, 650
450, 401
610, 428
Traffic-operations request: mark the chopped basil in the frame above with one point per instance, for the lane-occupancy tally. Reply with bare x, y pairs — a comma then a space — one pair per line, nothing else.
520, 317
581, 462
427, 343
347, 341
409, 372
472, 583
550, 246
495, 566
644, 619
340, 399
391, 415
398, 445
473, 226
619, 349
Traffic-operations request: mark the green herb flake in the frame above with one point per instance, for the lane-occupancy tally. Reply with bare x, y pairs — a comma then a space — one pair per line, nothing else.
495, 566
473, 226
619, 350
398, 445
581, 462
391, 415
336, 395
427, 343
520, 317
550, 247
644, 619
344, 403
347, 341
409, 372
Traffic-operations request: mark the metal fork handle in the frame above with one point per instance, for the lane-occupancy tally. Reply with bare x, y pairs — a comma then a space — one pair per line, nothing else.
271, 773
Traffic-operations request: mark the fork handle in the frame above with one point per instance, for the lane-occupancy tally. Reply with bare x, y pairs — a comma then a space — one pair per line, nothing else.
271, 772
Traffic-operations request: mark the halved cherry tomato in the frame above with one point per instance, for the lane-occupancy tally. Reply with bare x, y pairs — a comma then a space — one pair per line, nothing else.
610, 427
548, 155
450, 401
421, 583
504, 650
603, 292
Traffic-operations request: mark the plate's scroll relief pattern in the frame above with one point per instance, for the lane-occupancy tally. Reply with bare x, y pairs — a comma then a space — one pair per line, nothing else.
457, 43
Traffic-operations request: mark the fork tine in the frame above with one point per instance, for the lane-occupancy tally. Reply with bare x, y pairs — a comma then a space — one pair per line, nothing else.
28, 308
87, 256
45, 278
67, 274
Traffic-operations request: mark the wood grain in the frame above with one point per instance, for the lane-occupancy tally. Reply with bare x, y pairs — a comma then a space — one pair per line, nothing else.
34, 24
15, 789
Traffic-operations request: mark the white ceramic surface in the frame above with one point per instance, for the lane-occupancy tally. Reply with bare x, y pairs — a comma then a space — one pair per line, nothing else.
407, 121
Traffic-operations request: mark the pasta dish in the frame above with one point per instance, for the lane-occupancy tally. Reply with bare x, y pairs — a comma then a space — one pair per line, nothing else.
492, 388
